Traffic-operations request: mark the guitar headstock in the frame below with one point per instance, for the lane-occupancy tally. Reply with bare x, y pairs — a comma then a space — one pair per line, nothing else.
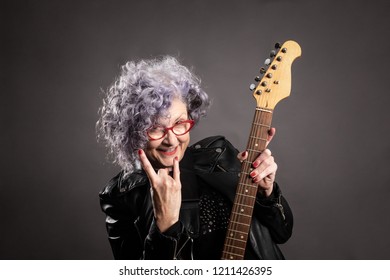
275, 84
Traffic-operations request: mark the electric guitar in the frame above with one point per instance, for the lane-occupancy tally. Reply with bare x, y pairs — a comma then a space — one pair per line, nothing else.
274, 86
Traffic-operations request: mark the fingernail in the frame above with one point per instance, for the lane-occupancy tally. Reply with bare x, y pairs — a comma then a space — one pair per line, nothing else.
243, 154
252, 174
139, 152
176, 158
255, 164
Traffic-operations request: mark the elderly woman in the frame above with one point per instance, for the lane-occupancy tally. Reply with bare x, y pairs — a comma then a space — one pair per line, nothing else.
172, 200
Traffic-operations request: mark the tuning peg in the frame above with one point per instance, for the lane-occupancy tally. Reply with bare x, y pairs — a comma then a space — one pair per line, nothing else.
262, 70
267, 61
252, 87
272, 53
278, 45
257, 79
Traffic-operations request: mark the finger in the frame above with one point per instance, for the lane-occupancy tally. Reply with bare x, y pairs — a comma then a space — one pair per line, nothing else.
242, 156
271, 134
264, 171
262, 168
163, 172
268, 171
176, 170
263, 156
146, 165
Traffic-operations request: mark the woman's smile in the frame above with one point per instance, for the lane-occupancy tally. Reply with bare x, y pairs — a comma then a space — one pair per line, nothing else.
167, 152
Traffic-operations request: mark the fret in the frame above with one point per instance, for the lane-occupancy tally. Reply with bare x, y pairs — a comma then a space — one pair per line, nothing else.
245, 205
230, 254
247, 195
262, 124
242, 218
252, 150
248, 185
235, 239
241, 232
242, 211
258, 138
242, 236
238, 223
235, 247
263, 110
239, 213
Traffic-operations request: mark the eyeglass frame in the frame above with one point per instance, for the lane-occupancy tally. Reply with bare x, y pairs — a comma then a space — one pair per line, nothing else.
166, 129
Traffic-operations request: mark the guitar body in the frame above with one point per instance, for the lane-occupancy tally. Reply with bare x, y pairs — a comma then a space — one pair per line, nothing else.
273, 87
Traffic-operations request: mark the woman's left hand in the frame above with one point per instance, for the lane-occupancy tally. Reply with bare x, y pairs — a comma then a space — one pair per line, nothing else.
264, 167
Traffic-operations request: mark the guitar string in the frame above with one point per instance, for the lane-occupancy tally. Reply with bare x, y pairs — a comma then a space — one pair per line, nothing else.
243, 185
233, 227
259, 125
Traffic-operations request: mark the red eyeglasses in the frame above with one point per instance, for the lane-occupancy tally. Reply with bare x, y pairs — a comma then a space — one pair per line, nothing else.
180, 128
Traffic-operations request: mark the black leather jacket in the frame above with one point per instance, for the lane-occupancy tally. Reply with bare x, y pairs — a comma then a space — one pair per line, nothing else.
213, 161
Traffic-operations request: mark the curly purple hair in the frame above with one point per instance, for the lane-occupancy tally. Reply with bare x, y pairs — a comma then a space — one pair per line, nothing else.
138, 98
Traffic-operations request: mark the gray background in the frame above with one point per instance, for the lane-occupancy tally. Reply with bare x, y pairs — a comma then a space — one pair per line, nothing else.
332, 144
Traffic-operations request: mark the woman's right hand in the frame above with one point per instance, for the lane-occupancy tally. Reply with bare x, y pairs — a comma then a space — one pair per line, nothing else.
165, 191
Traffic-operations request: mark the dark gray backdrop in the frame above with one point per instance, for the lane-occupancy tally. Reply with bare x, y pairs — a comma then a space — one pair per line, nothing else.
332, 143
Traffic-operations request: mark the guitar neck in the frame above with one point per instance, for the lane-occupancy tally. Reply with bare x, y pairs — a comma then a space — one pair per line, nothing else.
273, 87
244, 202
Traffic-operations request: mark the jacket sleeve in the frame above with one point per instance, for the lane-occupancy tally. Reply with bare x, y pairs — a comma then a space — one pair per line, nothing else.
168, 245
275, 213
121, 227
131, 233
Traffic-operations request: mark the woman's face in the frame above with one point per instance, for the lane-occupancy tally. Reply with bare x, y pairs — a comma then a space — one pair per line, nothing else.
162, 152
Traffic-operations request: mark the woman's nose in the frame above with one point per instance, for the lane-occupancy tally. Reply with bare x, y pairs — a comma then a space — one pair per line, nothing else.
171, 138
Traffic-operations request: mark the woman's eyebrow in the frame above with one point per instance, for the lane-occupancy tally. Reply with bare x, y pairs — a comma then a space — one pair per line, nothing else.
180, 117
184, 114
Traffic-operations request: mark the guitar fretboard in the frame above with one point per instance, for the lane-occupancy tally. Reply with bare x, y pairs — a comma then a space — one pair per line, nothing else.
244, 202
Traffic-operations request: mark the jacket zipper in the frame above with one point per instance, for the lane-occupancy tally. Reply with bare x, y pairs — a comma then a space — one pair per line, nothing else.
280, 207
